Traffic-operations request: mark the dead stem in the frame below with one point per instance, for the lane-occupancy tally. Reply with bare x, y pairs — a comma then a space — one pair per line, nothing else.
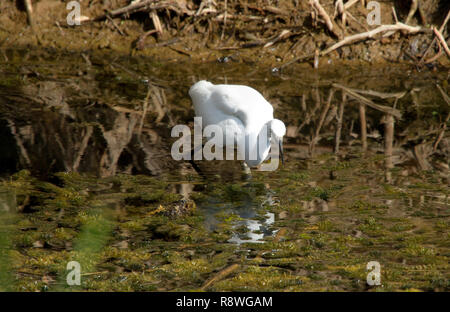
316, 137
363, 125
321, 12
389, 110
370, 34
340, 119
441, 41
388, 145
222, 274
441, 29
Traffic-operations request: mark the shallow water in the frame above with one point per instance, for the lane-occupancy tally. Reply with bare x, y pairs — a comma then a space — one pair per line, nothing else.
345, 195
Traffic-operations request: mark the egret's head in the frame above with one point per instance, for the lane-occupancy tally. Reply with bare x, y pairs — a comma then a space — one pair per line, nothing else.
278, 130
200, 89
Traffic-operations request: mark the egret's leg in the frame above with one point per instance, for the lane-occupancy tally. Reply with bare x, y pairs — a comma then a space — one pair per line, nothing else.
194, 165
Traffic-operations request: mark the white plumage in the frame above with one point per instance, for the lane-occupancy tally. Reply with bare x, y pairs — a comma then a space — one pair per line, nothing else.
240, 111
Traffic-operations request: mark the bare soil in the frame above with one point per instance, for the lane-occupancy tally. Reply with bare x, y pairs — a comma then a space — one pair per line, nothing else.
271, 32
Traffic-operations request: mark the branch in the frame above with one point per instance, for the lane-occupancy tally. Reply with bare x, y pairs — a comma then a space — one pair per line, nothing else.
434, 39
29, 9
372, 33
146, 5
321, 11
349, 4
412, 10
442, 41
385, 109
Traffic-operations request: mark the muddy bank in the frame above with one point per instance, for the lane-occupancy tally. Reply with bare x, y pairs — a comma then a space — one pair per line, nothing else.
271, 32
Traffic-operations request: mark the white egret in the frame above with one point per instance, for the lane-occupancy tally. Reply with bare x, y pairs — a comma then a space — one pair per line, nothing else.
241, 112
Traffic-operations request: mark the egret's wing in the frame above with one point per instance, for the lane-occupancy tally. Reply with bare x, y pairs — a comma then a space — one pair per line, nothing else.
242, 102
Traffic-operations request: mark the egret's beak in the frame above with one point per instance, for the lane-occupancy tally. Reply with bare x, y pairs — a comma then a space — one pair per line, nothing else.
280, 145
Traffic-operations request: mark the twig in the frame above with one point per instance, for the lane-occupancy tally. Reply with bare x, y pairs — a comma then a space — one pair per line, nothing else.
349, 4
324, 112
316, 59
339, 123
180, 51
224, 20
382, 95
434, 58
412, 57
441, 133
82, 148
140, 42
225, 272
412, 10
390, 33
434, 39
161, 44
94, 273
156, 22
203, 11
283, 35
339, 9
422, 15
394, 13
274, 10
444, 95
59, 27
363, 126
421, 152
131, 8
200, 8
144, 110
442, 41
388, 110
297, 59
145, 5
115, 25
372, 33
356, 21
316, 137
388, 145
321, 11
244, 18
245, 45
29, 10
